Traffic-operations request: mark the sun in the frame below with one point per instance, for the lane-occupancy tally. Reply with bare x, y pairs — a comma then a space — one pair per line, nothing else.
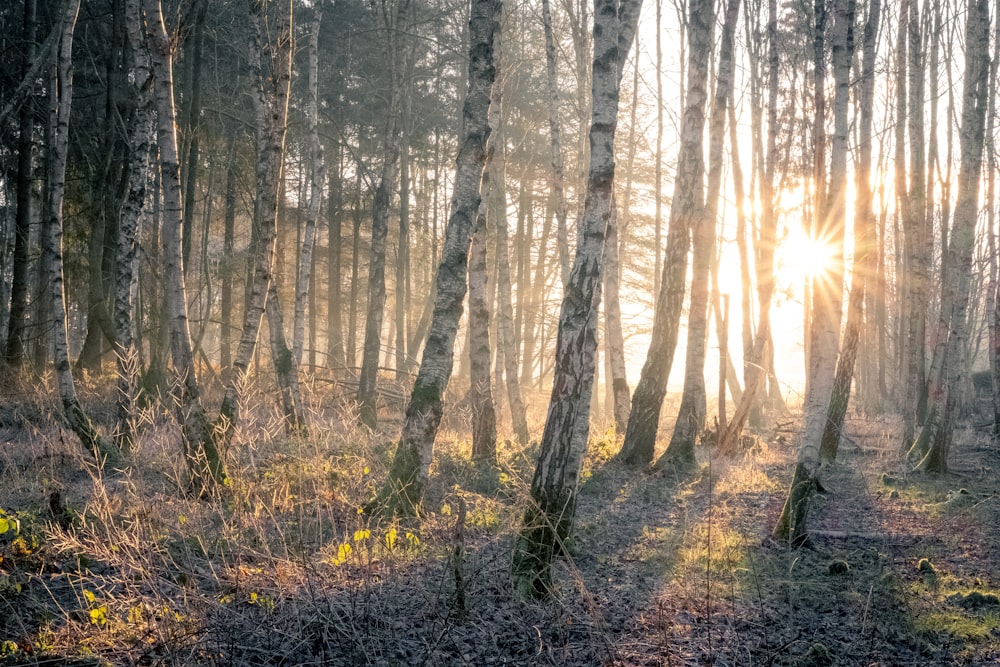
800, 257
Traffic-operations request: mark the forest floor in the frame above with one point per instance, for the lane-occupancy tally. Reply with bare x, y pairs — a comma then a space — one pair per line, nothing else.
119, 567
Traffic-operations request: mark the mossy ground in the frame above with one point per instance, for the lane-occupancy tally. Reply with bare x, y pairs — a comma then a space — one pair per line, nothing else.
122, 568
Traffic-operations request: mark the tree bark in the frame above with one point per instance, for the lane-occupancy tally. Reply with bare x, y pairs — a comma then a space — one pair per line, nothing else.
61, 94
864, 227
141, 145
15, 353
368, 380
548, 520
934, 441
408, 474
484, 418
691, 416
687, 206
200, 450
824, 329
317, 175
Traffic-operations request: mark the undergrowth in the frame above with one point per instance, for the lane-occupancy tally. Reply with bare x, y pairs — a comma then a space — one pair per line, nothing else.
120, 567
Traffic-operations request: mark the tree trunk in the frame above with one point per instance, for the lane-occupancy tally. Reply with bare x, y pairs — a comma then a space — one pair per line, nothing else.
505, 324
368, 380
270, 92
691, 416
201, 453
686, 208
14, 353
336, 355
993, 295
408, 474
614, 340
192, 125
824, 329
548, 520
317, 174
864, 226
228, 267
935, 437
141, 145
61, 94
484, 418
285, 368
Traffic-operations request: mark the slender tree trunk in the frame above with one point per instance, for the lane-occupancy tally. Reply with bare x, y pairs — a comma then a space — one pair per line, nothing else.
317, 174
864, 227
368, 380
410, 467
61, 93
506, 328
270, 94
686, 208
141, 145
934, 441
829, 212
201, 453
336, 355
228, 246
555, 142
484, 418
993, 295
190, 150
548, 520
15, 345
614, 341
691, 416
285, 367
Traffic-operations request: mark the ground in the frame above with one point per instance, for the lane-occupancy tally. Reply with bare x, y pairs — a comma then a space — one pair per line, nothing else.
119, 567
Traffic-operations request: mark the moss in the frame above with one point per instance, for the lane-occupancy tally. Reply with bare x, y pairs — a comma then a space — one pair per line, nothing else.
839, 567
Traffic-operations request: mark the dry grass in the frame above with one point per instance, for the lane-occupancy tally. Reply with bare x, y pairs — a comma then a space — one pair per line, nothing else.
122, 568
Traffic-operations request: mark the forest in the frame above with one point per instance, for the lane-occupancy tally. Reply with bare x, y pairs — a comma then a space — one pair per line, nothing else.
549, 332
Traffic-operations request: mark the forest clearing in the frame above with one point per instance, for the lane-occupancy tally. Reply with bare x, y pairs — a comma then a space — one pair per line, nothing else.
664, 569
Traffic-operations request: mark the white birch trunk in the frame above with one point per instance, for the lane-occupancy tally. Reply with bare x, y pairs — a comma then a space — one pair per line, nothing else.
140, 140
410, 467
316, 177
61, 92
548, 520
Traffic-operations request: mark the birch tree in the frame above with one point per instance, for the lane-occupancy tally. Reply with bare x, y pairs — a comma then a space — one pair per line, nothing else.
410, 467
864, 230
317, 174
691, 416
141, 144
686, 207
392, 12
934, 440
548, 521
61, 96
829, 209
15, 353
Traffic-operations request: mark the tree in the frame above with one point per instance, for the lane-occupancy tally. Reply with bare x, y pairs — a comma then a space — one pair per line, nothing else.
200, 449
484, 419
15, 349
408, 475
548, 520
686, 208
141, 145
61, 99
934, 440
691, 416
392, 13
829, 209
864, 233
